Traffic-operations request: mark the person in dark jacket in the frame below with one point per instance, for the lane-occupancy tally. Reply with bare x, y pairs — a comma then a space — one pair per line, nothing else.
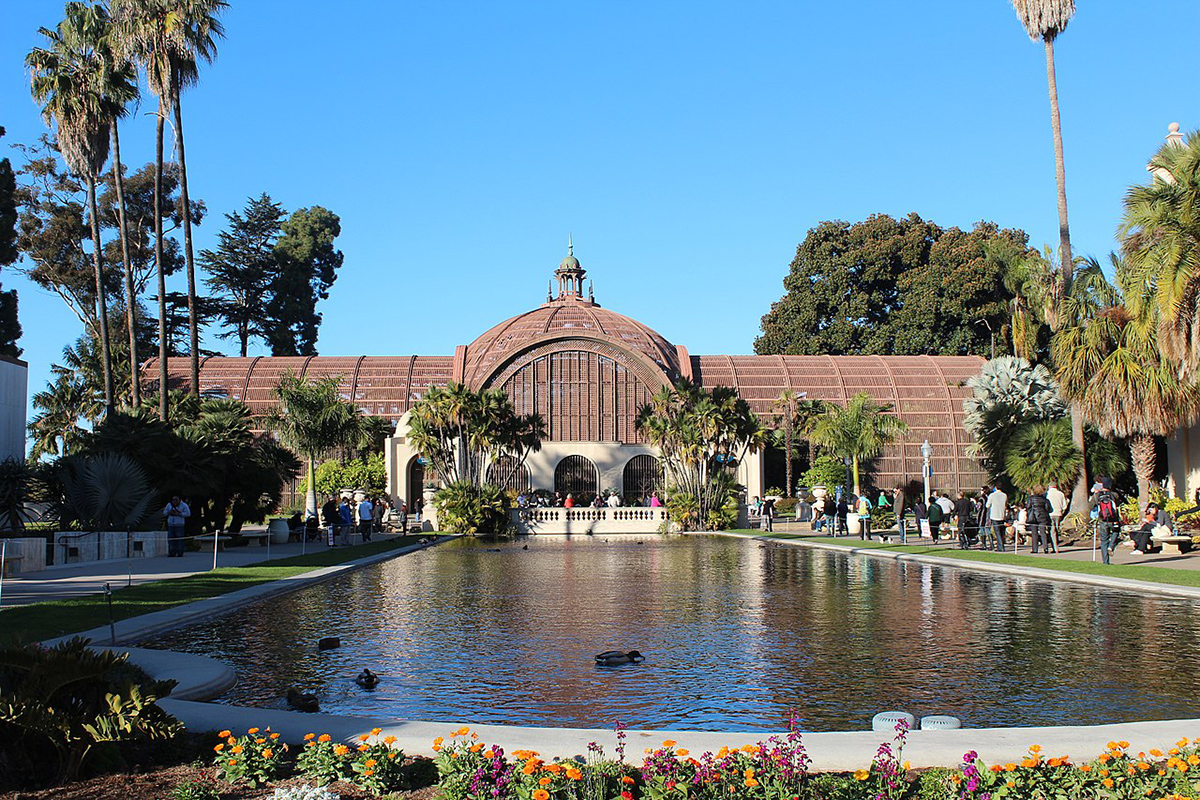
967, 521
843, 511
921, 515
330, 518
1037, 518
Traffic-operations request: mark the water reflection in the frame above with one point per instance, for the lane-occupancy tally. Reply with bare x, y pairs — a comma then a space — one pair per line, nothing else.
735, 635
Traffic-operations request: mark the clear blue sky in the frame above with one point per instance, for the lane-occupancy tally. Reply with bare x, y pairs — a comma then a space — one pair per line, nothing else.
687, 145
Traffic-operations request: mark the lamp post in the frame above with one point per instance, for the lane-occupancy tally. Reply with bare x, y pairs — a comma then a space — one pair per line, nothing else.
926, 450
847, 461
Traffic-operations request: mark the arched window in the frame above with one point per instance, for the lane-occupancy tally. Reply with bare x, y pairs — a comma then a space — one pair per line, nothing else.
505, 472
578, 476
641, 477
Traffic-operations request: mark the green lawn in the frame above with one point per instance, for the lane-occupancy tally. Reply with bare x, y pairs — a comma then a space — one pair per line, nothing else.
1137, 572
53, 618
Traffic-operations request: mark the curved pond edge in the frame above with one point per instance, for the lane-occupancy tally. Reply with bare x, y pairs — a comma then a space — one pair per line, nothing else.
1009, 570
201, 678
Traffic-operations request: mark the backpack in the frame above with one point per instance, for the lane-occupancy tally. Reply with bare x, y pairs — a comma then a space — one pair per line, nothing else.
1107, 505
934, 514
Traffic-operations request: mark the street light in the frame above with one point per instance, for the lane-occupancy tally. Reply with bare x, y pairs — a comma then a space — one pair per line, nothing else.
926, 451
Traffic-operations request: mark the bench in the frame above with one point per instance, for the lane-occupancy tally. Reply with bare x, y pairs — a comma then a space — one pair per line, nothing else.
261, 536
1182, 544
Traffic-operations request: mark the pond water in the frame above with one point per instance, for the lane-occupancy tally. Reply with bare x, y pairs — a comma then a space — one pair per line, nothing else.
735, 634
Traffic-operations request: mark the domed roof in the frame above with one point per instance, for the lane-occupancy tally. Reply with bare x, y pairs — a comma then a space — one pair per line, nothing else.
565, 317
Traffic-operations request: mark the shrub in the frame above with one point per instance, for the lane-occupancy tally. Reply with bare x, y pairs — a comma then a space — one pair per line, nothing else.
463, 508
202, 787
325, 760
368, 474
372, 764
827, 470
786, 506
70, 699
253, 759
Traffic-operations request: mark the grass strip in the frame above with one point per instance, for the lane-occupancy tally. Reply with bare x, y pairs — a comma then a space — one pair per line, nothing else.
1135, 572
46, 620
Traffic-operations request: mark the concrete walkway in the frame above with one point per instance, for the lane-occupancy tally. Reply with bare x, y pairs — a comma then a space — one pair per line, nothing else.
89, 577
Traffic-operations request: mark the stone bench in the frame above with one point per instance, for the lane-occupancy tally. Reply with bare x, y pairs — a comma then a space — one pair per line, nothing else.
1182, 544
261, 536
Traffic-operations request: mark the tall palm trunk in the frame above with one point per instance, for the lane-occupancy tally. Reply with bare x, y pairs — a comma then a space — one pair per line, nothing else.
158, 261
310, 496
1141, 447
787, 433
193, 329
101, 302
135, 389
1079, 495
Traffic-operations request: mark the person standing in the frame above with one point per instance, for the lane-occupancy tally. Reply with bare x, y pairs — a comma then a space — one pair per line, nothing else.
843, 512
330, 518
379, 509
1108, 518
613, 500
1058, 509
654, 501
1037, 519
366, 518
864, 517
768, 514
818, 514
965, 519
995, 506
569, 502
898, 503
936, 514
177, 513
345, 520
921, 515
403, 516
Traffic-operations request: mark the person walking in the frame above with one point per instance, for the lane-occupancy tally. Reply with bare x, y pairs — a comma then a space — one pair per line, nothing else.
345, 520
898, 503
768, 514
829, 515
403, 516
1108, 518
843, 511
921, 515
965, 519
995, 506
935, 514
1037, 519
366, 518
864, 517
1059, 504
177, 513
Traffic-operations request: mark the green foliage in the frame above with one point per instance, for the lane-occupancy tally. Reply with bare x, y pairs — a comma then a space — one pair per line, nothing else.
893, 287
465, 508
105, 492
459, 431
324, 760
10, 327
270, 272
202, 787
373, 764
68, 699
827, 470
1006, 395
254, 759
18, 483
1040, 453
1104, 456
882, 518
860, 430
702, 436
368, 474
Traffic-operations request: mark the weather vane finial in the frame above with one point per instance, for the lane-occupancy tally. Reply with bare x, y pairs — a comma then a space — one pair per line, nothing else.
570, 244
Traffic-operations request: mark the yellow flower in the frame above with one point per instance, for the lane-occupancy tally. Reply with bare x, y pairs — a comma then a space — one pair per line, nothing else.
862, 774
907, 766
268, 752
224, 734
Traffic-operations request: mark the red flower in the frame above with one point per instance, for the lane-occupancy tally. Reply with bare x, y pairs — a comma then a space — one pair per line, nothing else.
627, 795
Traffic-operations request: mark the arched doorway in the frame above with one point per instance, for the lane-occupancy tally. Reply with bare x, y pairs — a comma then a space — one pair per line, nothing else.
640, 478
505, 472
416, 481
577, 476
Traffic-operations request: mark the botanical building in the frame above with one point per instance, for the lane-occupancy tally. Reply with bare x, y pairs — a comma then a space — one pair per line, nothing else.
587, 370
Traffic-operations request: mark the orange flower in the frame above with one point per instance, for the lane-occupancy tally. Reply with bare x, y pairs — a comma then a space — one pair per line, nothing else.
1108, 783
364, 737
748, 773
1125, 745
268, 752
362, 748
544, 781
376, 731
1194, 759
751, 781
309, 736
475, 748
252, 731
340, 750
541, 794
232, 762
995, 768
486, 753
224, 734
1086, 768
219, 748
463, 731
1156, 753
669, 743
574, 774
1105, 758
1037, 748
862, 774
237, 748
392, 755
438, 740
1028, 762
437, 748
1009, 767
553, 769
260, 741
324, 737
681, 752
274, 735
1010, 784
389, 740
626, 780
370, 762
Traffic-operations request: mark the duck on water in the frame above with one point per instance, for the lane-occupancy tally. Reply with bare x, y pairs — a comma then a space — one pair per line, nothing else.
611, 658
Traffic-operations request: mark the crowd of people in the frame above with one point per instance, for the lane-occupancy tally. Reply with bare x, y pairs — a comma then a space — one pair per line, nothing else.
545, 499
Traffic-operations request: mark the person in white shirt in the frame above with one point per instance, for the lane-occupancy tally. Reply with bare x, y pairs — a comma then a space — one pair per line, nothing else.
366, 517
1058, 510
613, 500
947, 505
996, 503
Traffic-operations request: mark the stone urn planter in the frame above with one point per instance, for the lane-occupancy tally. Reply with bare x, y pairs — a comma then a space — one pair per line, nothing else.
819, 491
853, 524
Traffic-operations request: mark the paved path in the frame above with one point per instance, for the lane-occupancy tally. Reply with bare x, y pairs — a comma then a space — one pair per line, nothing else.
1080, 552
78, 580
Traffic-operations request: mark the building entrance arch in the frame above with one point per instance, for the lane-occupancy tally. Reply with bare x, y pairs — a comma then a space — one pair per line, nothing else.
578, 476
640, 478
415, 482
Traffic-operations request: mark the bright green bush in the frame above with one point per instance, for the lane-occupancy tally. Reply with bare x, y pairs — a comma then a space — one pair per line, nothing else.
368, 474
826, 470
463, 508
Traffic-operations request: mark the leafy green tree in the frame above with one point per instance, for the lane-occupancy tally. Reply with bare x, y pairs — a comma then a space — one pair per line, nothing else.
368, 474
1041, 453
702, 437
1160, 231
10, 326
859, 430
892, 287
307, 267
268, 273
81, 94
313, 419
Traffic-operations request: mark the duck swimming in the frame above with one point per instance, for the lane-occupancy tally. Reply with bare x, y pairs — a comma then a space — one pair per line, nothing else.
367, 679
302, 701
611, 658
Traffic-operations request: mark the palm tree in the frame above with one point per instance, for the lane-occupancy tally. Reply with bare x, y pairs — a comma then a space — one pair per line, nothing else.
797, 416
314, 420
1110, 367
858, 431
1161, 242
82, 91
168, 37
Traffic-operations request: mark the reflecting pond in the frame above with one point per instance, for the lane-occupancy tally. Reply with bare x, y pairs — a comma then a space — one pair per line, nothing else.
735, 634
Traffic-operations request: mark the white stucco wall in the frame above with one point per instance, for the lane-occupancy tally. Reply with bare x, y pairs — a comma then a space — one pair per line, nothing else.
1183, 462
14, 377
